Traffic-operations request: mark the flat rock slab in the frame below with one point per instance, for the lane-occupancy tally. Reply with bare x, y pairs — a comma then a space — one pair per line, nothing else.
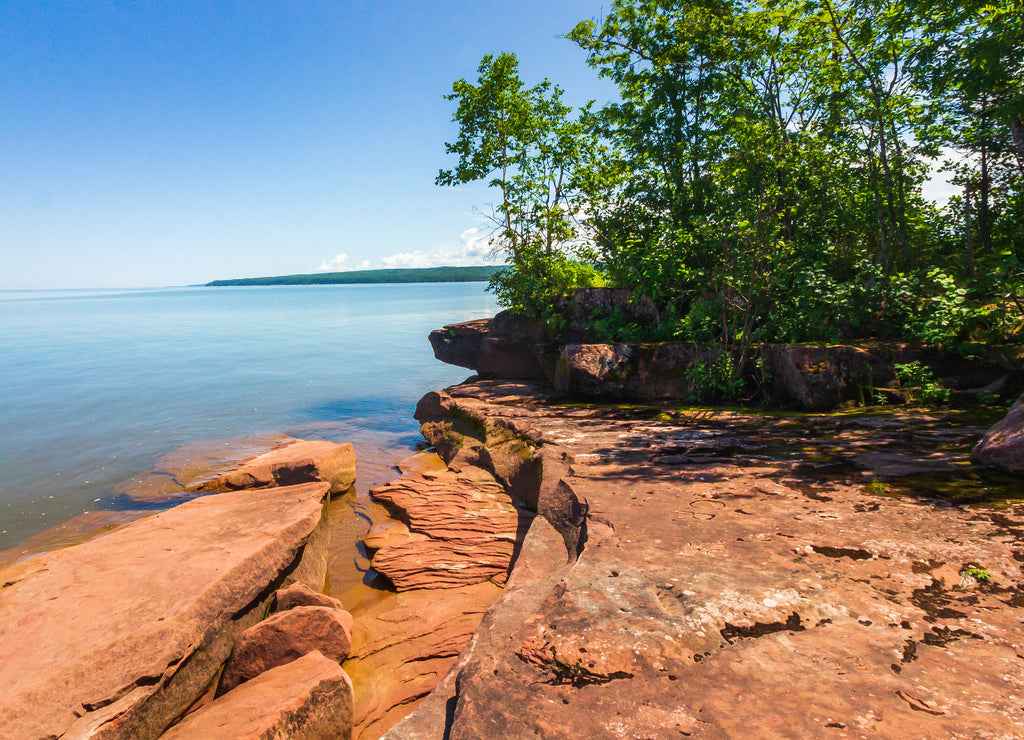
309, 698
291, 464
299, 594
460, 529
768, 589
116, 637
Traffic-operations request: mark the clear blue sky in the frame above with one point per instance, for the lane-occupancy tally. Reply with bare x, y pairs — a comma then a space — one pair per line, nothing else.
166, 143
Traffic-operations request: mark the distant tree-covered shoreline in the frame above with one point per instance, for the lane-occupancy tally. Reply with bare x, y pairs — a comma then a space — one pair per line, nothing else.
479, 273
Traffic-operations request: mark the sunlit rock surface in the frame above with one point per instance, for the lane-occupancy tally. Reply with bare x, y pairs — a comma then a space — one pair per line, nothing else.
116, 637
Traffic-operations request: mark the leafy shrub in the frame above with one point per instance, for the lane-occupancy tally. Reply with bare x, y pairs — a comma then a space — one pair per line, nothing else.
715, 379
532, 286
920, 385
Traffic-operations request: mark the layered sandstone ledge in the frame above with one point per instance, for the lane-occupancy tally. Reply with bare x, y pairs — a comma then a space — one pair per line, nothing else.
810, 377
718, 574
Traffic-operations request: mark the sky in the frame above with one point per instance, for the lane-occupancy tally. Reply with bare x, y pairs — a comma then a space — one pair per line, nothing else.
150, 144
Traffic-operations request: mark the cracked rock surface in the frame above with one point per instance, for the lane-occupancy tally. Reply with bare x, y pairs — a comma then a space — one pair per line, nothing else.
721, 574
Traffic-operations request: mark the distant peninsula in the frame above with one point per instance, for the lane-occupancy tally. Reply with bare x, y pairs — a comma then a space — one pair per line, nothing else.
478, 273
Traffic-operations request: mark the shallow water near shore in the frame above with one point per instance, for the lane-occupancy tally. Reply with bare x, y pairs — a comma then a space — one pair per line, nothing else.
97, 387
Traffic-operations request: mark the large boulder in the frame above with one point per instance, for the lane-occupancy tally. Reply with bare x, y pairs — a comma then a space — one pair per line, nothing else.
117, 637
284, 637
296, 462
309, 698
1003, 445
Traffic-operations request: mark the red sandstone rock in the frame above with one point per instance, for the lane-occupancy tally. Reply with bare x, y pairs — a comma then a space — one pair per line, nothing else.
309, 698
404, 644
461, 530
115, 638
385, 534
285, 636
760, 590
298, 462
1003, 445
299, 594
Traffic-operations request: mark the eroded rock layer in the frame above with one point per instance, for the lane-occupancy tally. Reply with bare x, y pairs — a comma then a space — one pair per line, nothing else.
1003, 445
460, 528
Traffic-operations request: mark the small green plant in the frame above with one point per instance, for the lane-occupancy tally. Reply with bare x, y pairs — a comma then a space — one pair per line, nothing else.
877, 487
989, 398
977, 573
714, 379
920, 385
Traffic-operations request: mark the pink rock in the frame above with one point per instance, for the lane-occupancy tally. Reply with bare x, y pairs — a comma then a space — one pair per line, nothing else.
1003, 444
298, 462
299, 594
115, 638
460, 530
284, 637
309, 698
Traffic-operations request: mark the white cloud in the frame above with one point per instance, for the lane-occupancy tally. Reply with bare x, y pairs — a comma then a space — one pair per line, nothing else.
474, 248
335, 265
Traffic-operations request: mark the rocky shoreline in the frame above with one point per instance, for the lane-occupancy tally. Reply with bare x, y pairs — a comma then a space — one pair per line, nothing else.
555, 568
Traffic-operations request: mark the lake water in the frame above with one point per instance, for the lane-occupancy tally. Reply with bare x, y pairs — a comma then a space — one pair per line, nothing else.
97, 386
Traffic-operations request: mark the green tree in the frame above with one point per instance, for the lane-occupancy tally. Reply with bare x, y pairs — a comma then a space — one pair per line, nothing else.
532, 149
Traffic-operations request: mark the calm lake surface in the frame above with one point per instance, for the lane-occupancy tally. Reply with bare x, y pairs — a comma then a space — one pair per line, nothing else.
97, 386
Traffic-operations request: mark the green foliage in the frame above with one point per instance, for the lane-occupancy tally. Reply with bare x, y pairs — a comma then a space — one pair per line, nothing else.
978, 574
877, 488
989, 398
920, 385
538, 280
759, 176
715, 379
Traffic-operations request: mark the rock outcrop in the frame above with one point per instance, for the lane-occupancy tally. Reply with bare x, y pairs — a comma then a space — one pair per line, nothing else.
1003, 445
810, 377
290, 464
117, 637
284, 637
723, 574
487, 349
309, 698
457, 529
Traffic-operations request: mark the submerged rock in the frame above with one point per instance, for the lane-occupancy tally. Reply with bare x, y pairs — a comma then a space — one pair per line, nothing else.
309, 698
117, 637
1003, 445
